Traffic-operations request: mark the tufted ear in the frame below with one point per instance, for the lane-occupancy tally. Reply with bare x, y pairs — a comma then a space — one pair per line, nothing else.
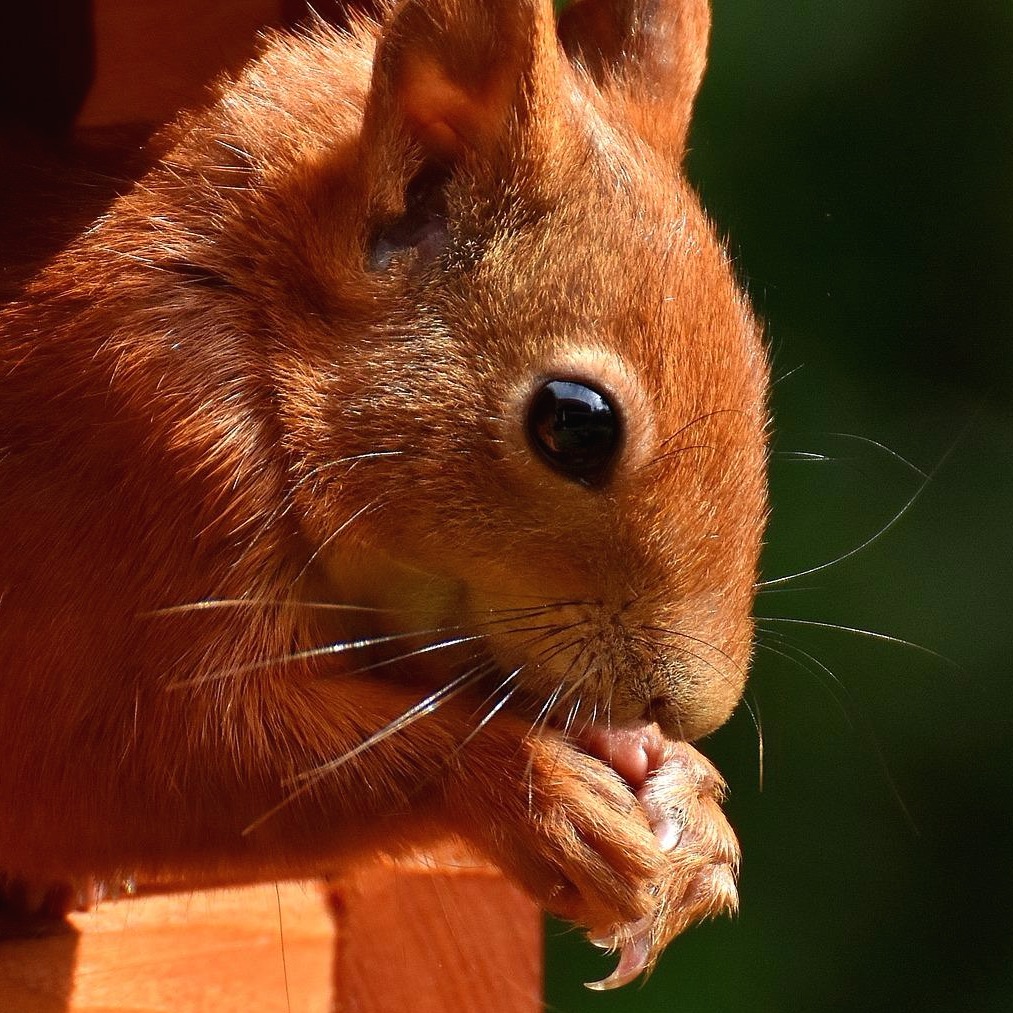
649, 53
456, 74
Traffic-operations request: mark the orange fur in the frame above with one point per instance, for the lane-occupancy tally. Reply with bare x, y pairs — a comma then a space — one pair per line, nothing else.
212, 396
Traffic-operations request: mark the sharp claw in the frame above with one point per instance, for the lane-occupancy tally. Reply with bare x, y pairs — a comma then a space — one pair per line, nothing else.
628, 932
632, 961
669, 833
605, 942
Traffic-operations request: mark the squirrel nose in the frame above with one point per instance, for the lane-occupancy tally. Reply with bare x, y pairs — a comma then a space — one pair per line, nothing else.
663, 710
684, 721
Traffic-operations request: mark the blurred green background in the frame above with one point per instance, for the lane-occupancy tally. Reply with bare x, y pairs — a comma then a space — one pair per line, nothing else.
859, 155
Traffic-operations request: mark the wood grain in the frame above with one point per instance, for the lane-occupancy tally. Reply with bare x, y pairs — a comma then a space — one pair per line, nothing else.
435, 940
428, 939
219, 952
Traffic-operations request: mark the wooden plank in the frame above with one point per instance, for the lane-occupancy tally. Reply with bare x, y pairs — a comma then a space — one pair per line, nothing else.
155, 57
436, 940
219, 952
422, 938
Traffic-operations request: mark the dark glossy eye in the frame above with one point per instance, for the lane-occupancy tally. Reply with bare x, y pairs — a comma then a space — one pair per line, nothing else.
575, 428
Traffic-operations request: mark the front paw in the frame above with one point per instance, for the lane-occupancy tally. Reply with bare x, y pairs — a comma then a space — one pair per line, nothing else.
681, 794
624, 836
586, 843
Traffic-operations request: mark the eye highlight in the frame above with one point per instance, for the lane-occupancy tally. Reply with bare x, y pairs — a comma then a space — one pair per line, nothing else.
575, 429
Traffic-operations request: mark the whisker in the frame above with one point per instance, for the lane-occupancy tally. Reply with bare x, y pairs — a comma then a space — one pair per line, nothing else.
427, 649
863, 726
418, 710
675, 452
336, 533
368, 456
539, 722
488, 717
698, 420
871, 634
351, 459
558, 697
827, 686
502, 684
890, 524
802, 455
308, 779
571, 718
697, 640
785, 376
881, 446
537, 728
328, 650
254, 603
494, 710
752, 704
547, 655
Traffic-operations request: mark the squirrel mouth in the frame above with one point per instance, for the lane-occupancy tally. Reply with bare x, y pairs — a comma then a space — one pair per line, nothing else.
633, 751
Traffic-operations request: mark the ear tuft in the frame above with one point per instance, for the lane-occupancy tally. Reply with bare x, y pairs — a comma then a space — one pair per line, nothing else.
452, 72
652, 53
446, 116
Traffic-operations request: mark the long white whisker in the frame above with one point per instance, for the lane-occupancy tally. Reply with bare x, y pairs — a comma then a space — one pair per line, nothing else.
871, 634
342, 647
881, 446
870, 735
785, 376
890, 524
328, 650
753, 708
571, 718
803, 455
838, 702
494, 710
418, 710
310, 778
418, 652
253, 603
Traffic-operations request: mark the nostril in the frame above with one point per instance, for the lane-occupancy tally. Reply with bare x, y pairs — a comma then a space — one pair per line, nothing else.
656, 706
674, 720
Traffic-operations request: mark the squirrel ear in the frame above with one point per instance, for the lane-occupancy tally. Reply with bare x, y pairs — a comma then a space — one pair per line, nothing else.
452, 73
649, 53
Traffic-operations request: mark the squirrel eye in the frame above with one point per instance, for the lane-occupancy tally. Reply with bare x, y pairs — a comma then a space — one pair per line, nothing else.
575, 428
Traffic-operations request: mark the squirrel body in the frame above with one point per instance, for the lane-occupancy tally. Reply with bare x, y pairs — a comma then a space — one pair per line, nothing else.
300, 564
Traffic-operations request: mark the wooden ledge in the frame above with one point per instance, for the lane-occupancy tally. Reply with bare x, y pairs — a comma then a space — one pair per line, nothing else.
421, 938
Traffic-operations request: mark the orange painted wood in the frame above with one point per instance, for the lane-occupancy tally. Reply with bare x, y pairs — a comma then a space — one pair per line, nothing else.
426, 939
219, 952
152, 57
436, 940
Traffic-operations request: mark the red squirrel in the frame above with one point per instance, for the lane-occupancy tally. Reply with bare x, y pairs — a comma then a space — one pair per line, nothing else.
389, 465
